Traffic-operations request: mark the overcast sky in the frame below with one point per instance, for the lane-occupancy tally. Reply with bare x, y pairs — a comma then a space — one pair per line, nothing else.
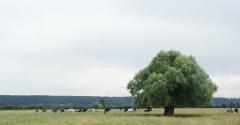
94, 47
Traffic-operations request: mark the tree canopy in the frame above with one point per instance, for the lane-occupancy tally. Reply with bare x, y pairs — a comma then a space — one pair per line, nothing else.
172, 80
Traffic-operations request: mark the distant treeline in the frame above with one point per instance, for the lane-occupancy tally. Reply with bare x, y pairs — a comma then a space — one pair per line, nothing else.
33, 102
226, 102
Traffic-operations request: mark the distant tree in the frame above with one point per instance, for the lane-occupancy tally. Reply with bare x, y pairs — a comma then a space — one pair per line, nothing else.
172, 80
231, 105
237, 105
224, 105
102, 102
96, 105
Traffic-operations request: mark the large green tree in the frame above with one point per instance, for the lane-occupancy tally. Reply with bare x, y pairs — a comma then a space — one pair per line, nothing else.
172, 80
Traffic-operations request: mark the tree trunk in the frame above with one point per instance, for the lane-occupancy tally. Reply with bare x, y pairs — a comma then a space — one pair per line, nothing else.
168, 111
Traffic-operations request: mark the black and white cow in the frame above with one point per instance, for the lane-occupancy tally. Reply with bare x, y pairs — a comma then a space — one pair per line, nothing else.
62, 110
236, 110
125, 109
91, 110
232, 110
78, 110
149, 109
106, 110
54, 110
70, 110
84, 110
37, 110
130, 109
44, 110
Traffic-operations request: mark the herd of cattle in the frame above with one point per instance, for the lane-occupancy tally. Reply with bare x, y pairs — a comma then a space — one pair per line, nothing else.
149, 109
55, 110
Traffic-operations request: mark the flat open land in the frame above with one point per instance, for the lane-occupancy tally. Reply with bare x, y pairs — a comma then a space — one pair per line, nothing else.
183, 116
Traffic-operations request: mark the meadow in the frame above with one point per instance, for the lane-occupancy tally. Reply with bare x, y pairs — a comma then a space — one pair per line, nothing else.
183, 116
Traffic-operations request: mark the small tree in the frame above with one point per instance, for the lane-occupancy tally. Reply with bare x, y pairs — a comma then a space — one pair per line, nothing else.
172, 80
102, 102
96, 105
231, 105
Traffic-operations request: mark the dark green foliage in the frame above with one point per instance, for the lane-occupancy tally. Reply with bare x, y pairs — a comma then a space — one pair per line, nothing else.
32, 102
17, 102
102, 102
96, 105
172, 80
227, 101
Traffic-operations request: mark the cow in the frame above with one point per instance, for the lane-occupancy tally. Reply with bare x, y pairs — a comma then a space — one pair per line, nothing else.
70, 110
62, 110
84, 110
130, 109
79, 110
149, 109
91, 110
106, 110
44, 110
125, 109
37, 110
232, 110
236, 110
54, 110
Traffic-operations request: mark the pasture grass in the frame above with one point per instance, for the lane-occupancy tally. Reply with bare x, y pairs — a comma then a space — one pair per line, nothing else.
183, 116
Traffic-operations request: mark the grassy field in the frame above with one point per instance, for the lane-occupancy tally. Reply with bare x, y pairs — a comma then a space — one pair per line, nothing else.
186, 116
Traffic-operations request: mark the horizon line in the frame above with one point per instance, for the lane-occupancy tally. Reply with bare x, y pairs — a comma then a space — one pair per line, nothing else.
93, 96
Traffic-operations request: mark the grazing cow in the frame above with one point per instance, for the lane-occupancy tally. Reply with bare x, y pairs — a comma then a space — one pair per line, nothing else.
84, 110
54, 110
134, 109
125, 109
106, 110
70, 110
62, 110
91, 110
149, 109
236, 110
79, 110
44, 110
37, 110
232, 110
130, 109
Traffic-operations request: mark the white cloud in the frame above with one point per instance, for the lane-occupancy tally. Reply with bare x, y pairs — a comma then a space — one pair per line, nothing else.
228, 85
